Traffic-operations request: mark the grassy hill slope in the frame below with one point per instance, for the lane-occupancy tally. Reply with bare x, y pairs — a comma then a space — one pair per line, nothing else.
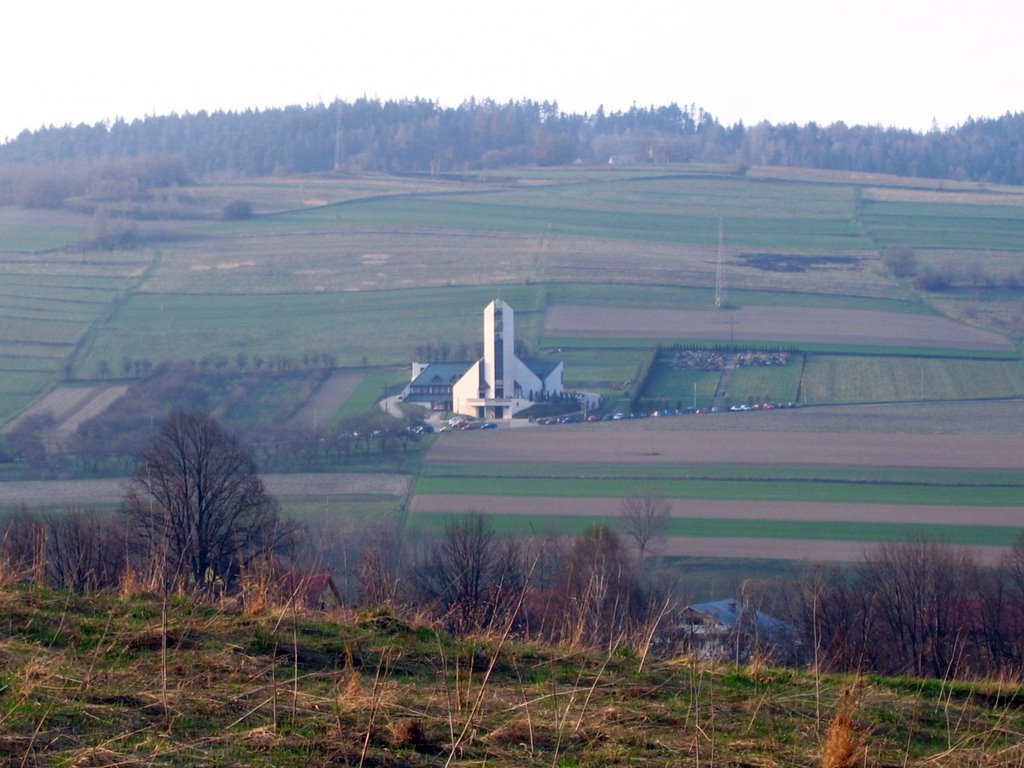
81, 684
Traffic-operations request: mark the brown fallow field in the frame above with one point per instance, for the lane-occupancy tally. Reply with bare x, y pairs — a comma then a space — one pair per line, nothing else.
783, 437
782, 325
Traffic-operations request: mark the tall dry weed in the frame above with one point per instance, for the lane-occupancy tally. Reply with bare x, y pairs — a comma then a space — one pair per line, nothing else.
255, 589
844, 748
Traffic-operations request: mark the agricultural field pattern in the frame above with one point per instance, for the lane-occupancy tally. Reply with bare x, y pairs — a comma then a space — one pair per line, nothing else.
906, 420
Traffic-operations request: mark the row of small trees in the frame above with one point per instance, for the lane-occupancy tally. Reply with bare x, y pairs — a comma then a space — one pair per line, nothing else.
241, 363
902, 261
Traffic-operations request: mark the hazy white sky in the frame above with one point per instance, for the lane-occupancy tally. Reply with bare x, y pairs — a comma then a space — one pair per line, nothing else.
888, 62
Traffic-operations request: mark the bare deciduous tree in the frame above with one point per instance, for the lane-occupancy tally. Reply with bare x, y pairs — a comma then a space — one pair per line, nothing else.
599, 589
643, 516
919, 589
197, 505
84, 551
379, 568
471, 575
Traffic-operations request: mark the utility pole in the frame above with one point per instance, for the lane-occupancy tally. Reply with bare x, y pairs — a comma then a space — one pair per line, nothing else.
337, 134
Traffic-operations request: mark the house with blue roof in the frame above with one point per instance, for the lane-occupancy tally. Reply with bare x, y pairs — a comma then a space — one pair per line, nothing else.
731, 629
497, 386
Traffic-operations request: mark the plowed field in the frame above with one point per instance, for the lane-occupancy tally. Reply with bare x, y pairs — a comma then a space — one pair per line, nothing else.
685, 443
820, 325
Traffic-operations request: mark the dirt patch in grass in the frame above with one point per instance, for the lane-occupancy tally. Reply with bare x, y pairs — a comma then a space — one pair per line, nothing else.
788, 262
811, 325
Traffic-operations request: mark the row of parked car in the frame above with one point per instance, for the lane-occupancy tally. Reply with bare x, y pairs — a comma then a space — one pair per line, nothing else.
466, 425
621, 415
463, 424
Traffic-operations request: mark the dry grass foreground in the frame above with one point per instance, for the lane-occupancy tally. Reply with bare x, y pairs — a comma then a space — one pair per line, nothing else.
821, 325
81, 685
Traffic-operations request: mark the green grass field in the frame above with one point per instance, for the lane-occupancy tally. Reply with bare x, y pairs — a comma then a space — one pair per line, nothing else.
548, 525
376, 328
744, 472
947, 226
849, 379
350, 511
765, 384
678, 387
27, 234
736, 488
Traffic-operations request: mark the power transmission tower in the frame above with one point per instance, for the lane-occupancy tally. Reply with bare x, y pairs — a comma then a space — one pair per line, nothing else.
720, 299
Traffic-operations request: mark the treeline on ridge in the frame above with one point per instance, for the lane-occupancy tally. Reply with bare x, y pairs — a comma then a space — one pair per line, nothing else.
420, 136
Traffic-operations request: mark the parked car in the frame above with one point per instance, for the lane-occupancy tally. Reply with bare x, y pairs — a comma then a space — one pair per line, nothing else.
489, 425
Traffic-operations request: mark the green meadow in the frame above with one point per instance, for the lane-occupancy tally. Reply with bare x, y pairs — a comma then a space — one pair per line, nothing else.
854, 378
946, 226
736, 488
545, 525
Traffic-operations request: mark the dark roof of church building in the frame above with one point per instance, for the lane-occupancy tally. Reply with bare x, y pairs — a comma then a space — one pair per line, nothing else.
541, 368
440, 374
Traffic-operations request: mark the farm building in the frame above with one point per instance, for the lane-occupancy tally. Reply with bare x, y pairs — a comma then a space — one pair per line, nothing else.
497, 386
729, 629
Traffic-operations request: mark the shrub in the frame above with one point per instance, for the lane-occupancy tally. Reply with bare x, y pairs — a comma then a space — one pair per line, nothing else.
900, 260
930, 280
237, 210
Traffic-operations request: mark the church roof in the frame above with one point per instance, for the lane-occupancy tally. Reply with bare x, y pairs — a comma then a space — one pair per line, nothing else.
440, 374
541, 368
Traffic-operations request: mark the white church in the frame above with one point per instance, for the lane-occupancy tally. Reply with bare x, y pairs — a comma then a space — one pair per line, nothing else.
497, 386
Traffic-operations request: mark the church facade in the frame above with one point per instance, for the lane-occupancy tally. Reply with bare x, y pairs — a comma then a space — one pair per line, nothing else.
497, 386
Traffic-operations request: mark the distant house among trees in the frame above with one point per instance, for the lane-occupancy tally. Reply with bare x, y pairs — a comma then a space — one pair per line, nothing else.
497, 386
731, 629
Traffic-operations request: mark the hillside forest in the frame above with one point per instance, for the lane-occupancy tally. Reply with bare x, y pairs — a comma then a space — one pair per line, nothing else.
420, 136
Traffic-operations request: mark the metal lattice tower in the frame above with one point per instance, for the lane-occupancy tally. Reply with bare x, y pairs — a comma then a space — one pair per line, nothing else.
720, 299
